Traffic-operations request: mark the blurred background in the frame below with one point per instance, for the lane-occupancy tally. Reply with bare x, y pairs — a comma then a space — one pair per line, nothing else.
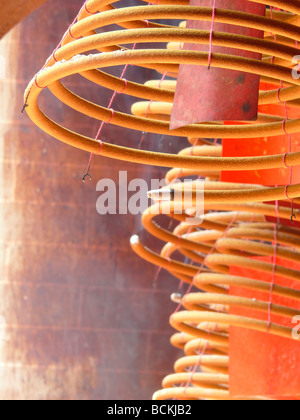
83, 317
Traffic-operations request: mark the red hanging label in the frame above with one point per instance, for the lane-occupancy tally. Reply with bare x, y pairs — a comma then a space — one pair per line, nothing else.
217, 94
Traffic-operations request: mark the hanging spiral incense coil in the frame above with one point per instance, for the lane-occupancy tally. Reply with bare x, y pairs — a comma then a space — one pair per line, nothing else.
204, 323
199, 338
235, 214
192, 378
81, 39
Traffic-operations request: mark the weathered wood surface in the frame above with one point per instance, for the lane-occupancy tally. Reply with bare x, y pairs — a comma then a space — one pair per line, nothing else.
12, 12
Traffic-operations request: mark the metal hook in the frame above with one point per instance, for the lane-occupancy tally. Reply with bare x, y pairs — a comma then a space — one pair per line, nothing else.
88, 169
293, 216
24, 107
86, 175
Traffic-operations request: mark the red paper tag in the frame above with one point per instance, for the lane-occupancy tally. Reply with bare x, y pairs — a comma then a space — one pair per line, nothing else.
262, 364
217, 94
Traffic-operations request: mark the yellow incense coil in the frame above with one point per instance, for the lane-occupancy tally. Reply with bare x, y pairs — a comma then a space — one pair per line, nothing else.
76, 55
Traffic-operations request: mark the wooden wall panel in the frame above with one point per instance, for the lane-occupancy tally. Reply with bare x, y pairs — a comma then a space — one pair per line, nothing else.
12, 12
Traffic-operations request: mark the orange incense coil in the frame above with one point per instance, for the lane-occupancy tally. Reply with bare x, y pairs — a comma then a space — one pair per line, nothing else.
186, 239
81, 39
218, 364
235, 215
216, 288
190, 322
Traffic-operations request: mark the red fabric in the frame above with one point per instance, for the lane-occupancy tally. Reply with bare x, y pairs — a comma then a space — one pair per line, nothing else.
264, 146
